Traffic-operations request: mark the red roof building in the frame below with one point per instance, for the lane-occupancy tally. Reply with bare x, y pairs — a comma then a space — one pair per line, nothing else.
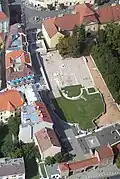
82, 14
47, 142
43, 113
109, 14
102, 156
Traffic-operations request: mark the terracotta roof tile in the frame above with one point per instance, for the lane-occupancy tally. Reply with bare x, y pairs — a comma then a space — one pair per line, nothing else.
84, 9
12, 56
67, 22
83, 12
109, 13
78, 164
46, 138
43, 112
3, 16
10, 100
105, 152
50, 27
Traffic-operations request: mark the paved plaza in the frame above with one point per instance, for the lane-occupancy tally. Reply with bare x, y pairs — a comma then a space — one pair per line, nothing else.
66, 72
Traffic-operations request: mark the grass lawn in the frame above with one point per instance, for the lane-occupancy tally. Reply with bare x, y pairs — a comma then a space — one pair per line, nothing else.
80, 111
91, 90
72, 90
42, 166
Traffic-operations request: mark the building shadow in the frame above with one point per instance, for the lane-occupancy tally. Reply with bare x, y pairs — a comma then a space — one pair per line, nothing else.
3, 69
15, 14
47, 96
31, 168
42, 64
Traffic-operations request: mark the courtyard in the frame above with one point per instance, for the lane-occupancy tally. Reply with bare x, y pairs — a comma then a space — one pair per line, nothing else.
82, 110
76, 99
66, 72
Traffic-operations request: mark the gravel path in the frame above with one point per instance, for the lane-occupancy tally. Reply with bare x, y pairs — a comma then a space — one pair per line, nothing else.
112, 113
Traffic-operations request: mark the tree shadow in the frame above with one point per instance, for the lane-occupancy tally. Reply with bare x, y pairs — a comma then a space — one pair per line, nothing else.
31, 168
3, 133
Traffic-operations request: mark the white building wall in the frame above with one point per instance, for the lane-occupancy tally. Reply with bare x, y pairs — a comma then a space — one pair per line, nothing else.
44, 3
20, 176
45, 34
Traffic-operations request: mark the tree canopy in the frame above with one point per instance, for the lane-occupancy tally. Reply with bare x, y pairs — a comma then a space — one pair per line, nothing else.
58, 158
118, 161
106, 54
73, 45
13, 125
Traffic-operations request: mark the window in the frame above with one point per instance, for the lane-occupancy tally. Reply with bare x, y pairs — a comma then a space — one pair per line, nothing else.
1, 117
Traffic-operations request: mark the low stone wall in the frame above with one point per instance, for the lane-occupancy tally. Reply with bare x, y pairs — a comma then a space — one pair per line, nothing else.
72, 98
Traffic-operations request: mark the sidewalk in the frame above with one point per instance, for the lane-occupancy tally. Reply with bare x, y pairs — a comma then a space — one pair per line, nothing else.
112, 113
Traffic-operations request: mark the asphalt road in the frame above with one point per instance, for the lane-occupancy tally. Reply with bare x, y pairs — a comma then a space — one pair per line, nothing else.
30, 13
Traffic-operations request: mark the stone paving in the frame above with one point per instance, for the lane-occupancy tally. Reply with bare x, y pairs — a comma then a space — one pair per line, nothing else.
66, 72
112, 112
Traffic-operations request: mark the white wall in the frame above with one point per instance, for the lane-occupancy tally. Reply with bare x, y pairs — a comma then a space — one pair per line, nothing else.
44, 3
20, 176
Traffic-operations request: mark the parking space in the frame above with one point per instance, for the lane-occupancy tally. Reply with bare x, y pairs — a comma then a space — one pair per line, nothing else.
66, 72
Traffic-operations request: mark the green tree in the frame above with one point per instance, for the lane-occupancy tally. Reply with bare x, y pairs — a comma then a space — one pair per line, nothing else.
59, 157
63, 157
106, 54
13, 125
50, 160
30, 151
73, 45
118, 161
64, 46
8, 146
16, 153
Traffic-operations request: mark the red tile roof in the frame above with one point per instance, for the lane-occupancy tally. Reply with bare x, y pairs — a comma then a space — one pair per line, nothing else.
109, 13
67, 22
12, 56
46, 138
84, 10
105, 152
78, 164
43, 112
10, 100
83, 13
3, 16
50, 27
